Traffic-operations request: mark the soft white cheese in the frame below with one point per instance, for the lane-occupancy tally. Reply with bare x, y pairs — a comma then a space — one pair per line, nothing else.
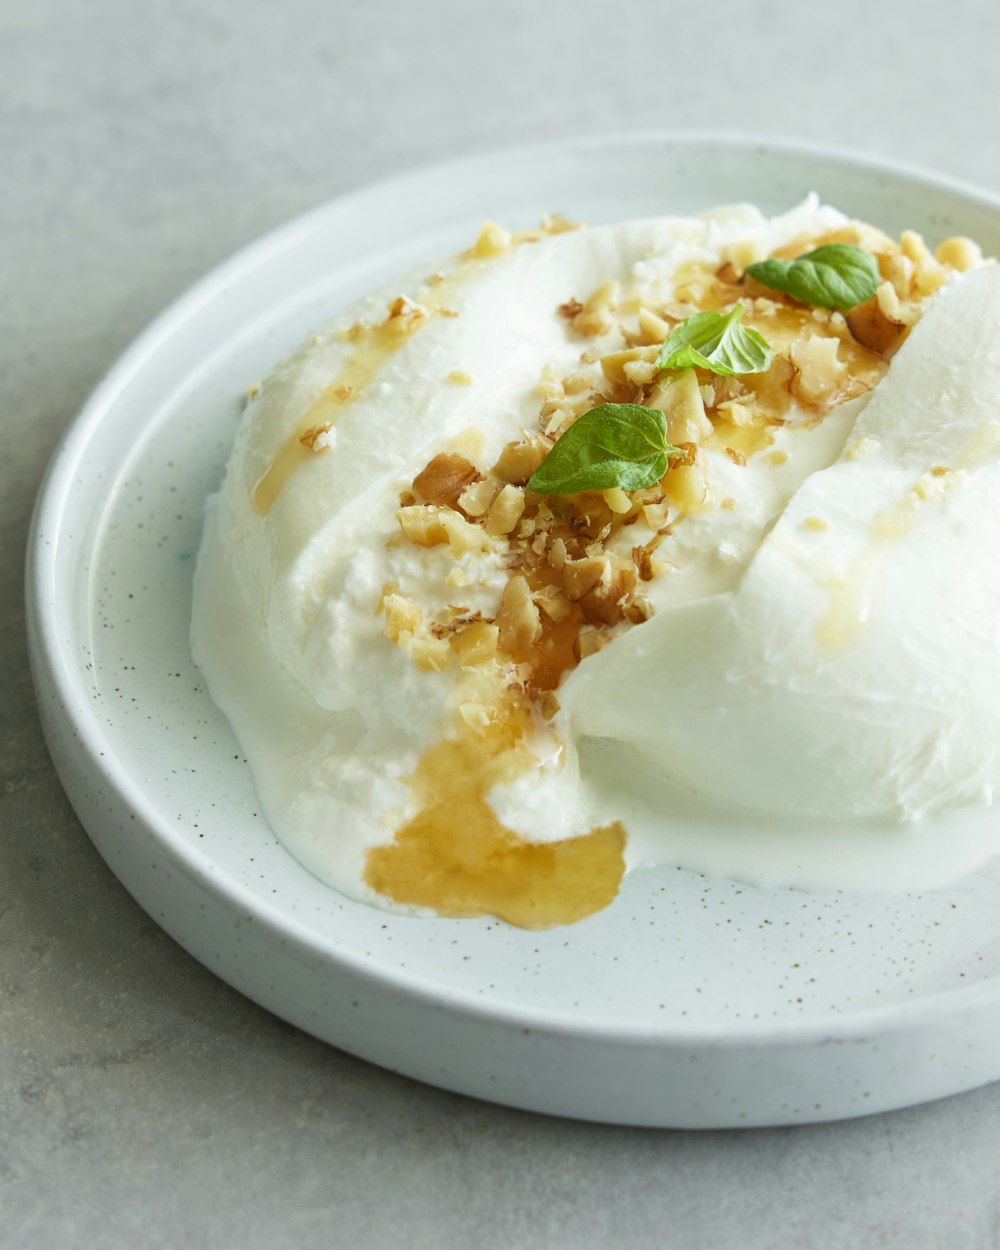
855, 669
838, 673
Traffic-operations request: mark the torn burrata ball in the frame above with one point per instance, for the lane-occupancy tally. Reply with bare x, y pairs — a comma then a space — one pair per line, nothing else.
664, 542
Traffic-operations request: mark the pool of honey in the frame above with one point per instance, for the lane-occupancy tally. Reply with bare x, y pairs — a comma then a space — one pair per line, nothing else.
456, 858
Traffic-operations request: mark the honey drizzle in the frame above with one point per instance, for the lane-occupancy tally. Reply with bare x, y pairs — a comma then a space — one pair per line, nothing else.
849, 604
456, 858
373, 346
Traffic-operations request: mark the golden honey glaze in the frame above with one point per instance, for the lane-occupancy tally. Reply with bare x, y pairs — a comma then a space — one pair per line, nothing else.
373, 345
456, 858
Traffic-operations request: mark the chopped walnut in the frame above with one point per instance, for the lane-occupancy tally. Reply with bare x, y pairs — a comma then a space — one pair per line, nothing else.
444, 479
738, 256
557, 553
505, 511
898, 271
655, 514
614, 364
589, 641
638, 609
617, 500
729, 390
402, 617
548, 704
476, 644
959, 253
772, 391
429, 653
570, 310
605, 601
519, 460
646, 566
475, 500
319, 439
428, 525
518, 621
553, 603
581, 576
878, 323
569, 590
929, 273
687, 453
679, 398
492, 240
405, 315
550, 386
578, 383
404, 628
819, 369
597, 314
653, 330
685, 487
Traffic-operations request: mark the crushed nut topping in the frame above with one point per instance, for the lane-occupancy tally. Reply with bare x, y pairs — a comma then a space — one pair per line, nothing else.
444, 479
316, 439
570, 586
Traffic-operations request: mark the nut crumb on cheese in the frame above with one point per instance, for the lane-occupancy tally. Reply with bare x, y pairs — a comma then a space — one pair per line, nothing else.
572, 584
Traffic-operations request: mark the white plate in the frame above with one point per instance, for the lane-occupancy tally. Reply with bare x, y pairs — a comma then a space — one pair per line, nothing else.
688, 1002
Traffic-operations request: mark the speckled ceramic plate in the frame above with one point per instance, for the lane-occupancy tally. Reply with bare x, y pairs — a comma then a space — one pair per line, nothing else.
688, 1002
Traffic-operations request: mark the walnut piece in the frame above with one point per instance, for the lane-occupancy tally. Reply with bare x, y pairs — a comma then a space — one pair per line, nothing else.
477, 496
476, 644
820, 370
878, 323
429, 525
505, 511
579, 577
519, 460
443, 480
401, 617
492, 240
518, 620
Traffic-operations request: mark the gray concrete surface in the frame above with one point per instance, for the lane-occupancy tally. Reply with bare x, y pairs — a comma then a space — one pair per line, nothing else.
142, 1102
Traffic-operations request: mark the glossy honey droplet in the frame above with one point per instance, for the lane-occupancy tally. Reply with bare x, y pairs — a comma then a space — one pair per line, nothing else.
456, 858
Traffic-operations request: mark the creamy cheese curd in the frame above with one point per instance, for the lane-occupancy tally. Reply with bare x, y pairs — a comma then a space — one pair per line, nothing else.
780, 664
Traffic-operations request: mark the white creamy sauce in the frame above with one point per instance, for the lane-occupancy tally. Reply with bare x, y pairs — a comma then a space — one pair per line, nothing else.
806, 707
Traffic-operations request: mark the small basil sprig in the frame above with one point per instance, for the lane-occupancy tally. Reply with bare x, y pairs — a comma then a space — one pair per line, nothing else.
718, 342
614, 445
835, 275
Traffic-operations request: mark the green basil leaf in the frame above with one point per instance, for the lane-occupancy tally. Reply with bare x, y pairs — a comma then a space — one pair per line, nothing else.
614, 445
716, 341
835, 275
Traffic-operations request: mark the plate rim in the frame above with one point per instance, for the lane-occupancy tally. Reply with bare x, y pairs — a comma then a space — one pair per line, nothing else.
54, 667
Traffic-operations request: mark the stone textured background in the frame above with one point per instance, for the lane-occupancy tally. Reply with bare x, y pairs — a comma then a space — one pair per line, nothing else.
142, 1102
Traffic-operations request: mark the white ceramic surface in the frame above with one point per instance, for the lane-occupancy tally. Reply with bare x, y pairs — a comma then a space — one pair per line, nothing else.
689, 1002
